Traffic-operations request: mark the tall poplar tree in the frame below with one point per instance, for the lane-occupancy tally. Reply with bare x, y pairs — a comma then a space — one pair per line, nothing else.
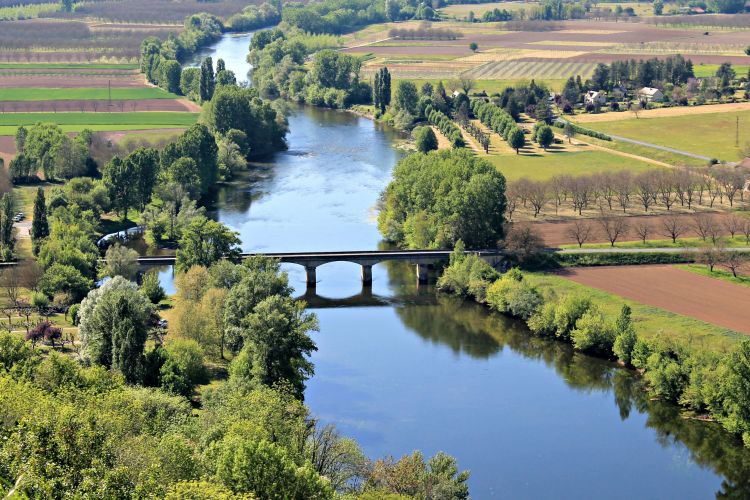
207, 81
39, 224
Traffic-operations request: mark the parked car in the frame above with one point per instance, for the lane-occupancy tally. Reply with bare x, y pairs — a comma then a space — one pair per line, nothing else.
19, 217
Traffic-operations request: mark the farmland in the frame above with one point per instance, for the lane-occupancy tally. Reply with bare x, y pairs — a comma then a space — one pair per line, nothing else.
711, 135
75, 122
667, 287
539, 166
82, 93
650, 321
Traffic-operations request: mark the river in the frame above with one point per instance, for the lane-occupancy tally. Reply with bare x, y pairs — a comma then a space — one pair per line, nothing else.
399, 368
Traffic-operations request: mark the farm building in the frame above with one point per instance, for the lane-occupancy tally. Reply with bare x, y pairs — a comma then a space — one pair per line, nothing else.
650, 94
618, 92
595, 97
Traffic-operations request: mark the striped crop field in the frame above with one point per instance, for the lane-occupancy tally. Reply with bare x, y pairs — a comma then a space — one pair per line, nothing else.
508, 70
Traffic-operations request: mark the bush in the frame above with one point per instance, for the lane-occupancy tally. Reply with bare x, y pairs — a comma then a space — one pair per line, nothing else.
151, 287
425, 139
467, 275
183, 368
593, 334
567, 313
514, 296
583, 131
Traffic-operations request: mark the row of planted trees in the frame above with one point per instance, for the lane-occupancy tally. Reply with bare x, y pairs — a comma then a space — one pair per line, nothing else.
500, 122
623, 190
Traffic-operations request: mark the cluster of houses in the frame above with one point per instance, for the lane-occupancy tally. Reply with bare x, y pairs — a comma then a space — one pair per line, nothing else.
618, 93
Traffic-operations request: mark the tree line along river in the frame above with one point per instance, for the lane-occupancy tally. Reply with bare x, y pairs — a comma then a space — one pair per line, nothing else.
399, 368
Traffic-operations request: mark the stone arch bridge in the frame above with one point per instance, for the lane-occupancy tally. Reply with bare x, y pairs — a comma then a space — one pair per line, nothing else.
366, 259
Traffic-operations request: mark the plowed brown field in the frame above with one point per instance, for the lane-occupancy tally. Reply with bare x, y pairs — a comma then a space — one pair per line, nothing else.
670, 288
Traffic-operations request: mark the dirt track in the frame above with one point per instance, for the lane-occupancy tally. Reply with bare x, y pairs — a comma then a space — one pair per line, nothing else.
555, 233
673, 289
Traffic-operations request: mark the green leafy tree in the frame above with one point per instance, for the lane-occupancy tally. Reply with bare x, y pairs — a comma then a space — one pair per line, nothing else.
206, 82
516, 139
277, 343
113, 326
406, 97
205, 242
473, 46
247, 465
625, 336
151, 287
144, 163
658, 7
63, 278
184, 173
545, 136
121, 261
120, 178
39, 224
467, 206
40, 145
425, 139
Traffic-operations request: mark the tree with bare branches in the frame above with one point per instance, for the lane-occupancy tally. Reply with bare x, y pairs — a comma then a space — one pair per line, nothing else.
581, 231
733, 224
710, 256
645, 189
538, 196
673, 226
703, 224
642, 228
733, 261
614, 228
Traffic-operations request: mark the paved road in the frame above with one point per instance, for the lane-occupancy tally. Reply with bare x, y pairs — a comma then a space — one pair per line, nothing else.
656, 146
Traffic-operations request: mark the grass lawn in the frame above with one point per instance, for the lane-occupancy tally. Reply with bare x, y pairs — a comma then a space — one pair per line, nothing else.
650, 322
736, 242
76, 94
75, 122
704, 70
460, 11
570, 163
711, 135
645, 151
718, 273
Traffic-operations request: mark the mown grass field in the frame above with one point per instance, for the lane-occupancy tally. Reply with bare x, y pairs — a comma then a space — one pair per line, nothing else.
650, 322
75, 122
462, 10
717, 273
83, 93
704, 70
569, 163
711, 135
645, 151
552, 69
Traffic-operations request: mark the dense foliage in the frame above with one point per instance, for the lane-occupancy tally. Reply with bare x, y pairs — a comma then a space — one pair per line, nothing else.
438, 198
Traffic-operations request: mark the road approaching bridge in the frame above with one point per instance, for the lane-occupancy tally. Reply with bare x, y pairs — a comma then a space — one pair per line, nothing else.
367, 258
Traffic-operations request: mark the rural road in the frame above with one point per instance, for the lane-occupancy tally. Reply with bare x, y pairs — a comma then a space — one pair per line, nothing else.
656, 146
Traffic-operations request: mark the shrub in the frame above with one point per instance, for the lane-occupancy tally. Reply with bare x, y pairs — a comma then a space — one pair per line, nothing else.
467, 275
666, 375
514, 296
425, 139
567, 313
593, 334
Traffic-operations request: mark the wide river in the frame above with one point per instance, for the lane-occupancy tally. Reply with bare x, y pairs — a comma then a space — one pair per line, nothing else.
400, 369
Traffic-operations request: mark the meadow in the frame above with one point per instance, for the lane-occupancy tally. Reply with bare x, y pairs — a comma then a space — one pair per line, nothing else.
82, 93
535, 166
460, 11
711, 135
75, 122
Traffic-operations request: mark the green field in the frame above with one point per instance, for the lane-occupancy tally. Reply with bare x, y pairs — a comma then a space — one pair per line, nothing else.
570, 163
711, 135
63, 65
460, 11
490, 86
650, 322
645, 151
704, 70
77, 94
75, 122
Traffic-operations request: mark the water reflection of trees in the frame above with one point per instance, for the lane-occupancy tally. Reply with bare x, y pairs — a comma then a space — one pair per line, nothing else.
468, 329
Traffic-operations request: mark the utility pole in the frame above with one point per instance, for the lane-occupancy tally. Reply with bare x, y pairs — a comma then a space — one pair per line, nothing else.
109, 91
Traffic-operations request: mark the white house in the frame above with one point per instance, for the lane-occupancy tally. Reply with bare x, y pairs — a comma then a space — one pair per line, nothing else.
595, 97
650, 94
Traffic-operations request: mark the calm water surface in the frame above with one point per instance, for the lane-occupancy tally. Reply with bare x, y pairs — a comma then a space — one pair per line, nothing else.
400, 369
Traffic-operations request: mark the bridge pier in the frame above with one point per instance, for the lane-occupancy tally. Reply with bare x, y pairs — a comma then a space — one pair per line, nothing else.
311, 277
422, 271
366, 275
